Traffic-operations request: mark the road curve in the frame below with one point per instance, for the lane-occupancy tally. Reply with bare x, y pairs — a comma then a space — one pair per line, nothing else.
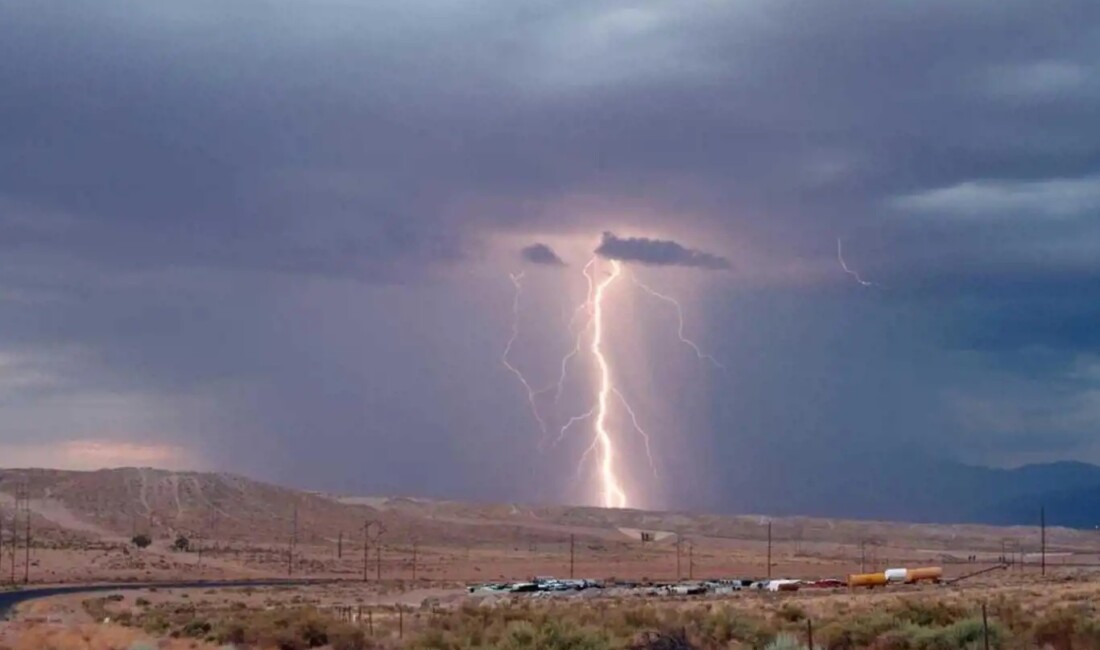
9, 599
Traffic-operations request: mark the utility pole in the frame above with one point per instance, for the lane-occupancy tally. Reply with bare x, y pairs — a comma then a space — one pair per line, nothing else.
293, 542
678, 541
769, 549
1043, 540
691, 560
366, 547
27, 551
378, 552
572, 546
15, 531
415, 543
863, 556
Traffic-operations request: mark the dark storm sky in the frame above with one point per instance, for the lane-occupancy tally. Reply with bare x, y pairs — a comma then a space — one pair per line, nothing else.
249, 232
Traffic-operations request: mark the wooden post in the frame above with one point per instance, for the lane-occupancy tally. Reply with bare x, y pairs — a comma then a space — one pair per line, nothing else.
290, 545
14, 535
340, 545
985, 627
366, 548
678, 541
400, 622
27, 550
572, 544
769, 550
414, 559
691, 560
810, 633
370, 622
1043, 540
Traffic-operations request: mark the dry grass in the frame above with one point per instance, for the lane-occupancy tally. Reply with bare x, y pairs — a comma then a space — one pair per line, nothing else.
97, 637
1059, 616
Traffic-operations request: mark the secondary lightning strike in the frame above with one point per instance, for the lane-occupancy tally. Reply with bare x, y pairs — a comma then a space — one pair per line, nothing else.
639, 429
843, 265
680, 323
517, 281
573, 420
586, 306
613, 494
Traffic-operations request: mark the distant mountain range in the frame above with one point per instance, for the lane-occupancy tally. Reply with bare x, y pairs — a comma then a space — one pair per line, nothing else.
926, 490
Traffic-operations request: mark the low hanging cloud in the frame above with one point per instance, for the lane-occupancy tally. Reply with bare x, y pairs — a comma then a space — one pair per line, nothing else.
541, 254
658, 252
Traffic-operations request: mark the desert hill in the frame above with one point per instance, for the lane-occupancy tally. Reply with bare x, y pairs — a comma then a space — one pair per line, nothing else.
116, 503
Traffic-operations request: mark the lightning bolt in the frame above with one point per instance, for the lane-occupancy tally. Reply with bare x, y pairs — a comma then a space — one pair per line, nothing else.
603, 443
532, 394
638, 428
613, 494
843, 265
680, 323
585, 306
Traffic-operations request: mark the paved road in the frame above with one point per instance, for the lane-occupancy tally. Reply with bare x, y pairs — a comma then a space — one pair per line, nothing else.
10, 599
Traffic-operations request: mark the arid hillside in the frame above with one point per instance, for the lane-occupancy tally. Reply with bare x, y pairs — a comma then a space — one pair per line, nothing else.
120, 502
116, 504
247, 524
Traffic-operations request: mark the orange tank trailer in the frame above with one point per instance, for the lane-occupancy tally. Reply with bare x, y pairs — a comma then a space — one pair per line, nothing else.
867, 580
925, 574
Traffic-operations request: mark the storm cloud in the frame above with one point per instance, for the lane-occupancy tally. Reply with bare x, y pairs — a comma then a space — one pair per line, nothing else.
541, 254
657, 252
264, 232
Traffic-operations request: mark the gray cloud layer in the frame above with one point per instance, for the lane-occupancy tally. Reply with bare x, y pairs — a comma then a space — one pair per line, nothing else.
235, 225
657, 252
541, 254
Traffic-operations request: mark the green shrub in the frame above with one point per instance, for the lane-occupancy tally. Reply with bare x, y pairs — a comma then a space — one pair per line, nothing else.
785, 642
928, 612
857, 631
663, 641
791, 613
342, 636
1067, 628
196, 629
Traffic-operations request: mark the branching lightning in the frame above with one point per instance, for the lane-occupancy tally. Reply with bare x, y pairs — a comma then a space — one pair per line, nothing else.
844, 265
679, 323
532, 394
584, 307
588, 326
638, 428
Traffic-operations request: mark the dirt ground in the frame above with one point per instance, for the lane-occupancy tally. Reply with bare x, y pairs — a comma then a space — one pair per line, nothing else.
697, 557
68, 618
